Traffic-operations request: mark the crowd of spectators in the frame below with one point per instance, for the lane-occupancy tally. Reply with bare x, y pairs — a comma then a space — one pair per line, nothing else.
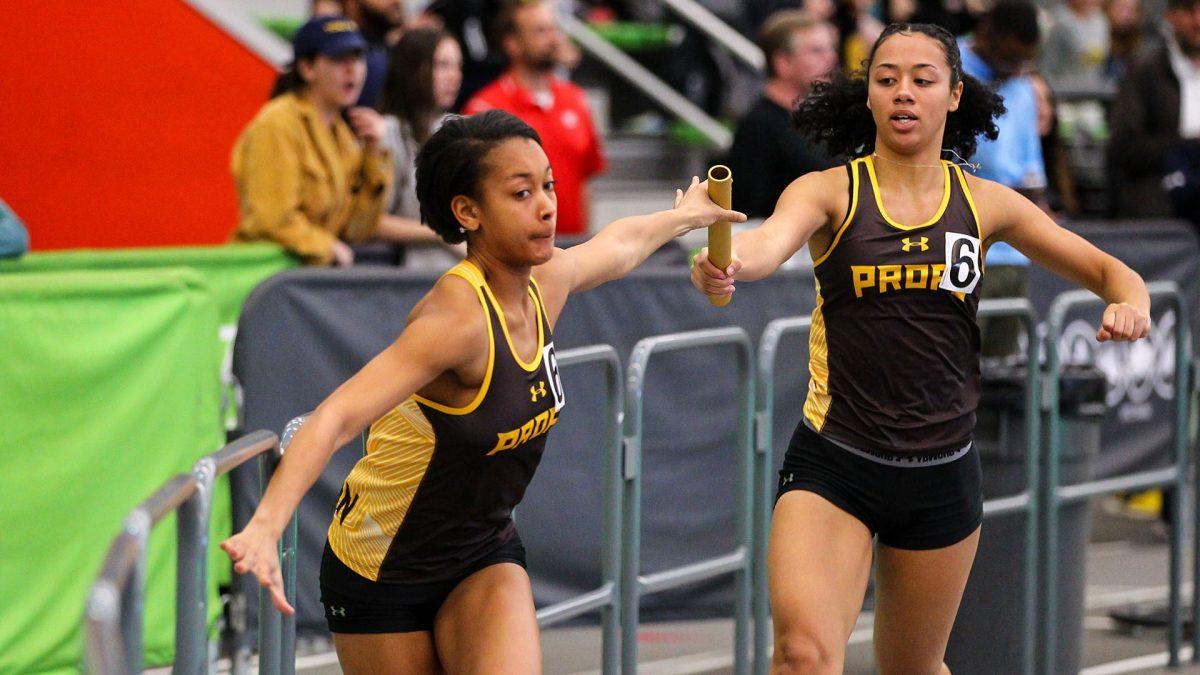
328, 161
766, 154
1129, 101
1154, 154
556, 108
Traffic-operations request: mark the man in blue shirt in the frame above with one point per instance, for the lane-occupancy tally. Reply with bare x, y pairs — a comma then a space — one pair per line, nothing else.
999, 54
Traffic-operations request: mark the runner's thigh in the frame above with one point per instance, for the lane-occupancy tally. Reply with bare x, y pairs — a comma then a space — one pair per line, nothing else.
917, 594
381, 653
488, 624
818, 565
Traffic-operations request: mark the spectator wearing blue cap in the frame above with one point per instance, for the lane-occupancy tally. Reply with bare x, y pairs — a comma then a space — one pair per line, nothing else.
304, 178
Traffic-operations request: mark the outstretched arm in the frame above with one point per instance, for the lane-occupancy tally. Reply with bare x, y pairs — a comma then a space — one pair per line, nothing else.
624, 244
803, 208
1031, 231
433, 343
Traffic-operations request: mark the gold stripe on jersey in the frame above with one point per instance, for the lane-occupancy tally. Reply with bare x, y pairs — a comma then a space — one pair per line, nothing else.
883, 212
962, 180
468, 272
399, 449
816, 405
849, 214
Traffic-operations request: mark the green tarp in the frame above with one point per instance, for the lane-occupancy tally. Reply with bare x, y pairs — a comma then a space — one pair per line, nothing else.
231, 270
107, 389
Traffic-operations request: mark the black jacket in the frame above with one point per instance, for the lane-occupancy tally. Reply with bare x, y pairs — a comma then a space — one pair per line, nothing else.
1144, 121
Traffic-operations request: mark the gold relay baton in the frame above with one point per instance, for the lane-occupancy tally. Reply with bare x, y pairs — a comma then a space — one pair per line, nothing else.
720, 188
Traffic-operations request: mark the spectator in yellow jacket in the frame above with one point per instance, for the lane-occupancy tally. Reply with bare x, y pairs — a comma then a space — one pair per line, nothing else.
304, 179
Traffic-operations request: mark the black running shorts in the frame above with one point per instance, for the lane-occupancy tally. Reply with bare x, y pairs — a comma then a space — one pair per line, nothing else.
355, 604
914, 502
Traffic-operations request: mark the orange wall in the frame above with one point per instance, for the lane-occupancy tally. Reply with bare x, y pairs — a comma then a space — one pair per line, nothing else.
116, 122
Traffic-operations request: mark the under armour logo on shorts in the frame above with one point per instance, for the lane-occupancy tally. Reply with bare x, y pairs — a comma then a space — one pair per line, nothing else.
337, 611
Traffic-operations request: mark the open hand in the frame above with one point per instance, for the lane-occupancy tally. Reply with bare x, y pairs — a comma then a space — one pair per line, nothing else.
256, 552
700, 210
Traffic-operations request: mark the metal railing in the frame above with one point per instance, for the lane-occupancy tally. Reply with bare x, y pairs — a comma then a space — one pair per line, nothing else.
720, 32
1195, 399
606, 598
270, 621
1173, 476
646, 82
116, 601
1028, 501
764, 441
1023, 502
739, 562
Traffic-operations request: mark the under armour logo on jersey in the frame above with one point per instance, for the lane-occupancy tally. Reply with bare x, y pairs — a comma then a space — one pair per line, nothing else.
908, 244
337, 611
539, 390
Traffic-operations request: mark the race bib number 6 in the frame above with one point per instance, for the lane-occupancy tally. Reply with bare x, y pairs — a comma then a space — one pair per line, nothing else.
962, 264
550, 360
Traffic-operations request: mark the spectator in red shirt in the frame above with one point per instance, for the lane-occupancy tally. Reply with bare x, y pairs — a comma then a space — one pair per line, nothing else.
555, 108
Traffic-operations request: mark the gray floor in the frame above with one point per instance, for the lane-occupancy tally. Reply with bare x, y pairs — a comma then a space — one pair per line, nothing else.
1126, 563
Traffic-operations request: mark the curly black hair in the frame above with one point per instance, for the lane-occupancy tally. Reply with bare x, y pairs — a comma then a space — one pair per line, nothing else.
451, 163
835, 112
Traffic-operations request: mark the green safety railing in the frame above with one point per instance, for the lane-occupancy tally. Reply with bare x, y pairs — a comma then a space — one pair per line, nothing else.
116, 602
1195, 400
740, 561
1174, 476
606, 598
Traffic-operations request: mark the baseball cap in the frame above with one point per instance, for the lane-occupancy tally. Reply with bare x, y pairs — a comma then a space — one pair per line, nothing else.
328, 35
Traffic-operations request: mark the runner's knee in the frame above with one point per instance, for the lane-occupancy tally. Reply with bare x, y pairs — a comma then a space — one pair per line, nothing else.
803, 652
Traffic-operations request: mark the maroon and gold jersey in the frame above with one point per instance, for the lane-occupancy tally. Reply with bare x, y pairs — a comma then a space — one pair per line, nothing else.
437, 486
894, 347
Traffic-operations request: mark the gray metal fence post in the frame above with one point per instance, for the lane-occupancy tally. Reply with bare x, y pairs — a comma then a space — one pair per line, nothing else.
106, 648
1059, 495
191, 598
1029, 501
1195, 391
631, 519
768, 348
266, 447
270, 624
133, 596
102, 617
115, 604
287, 563
287, 624
607, 597
740, 561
